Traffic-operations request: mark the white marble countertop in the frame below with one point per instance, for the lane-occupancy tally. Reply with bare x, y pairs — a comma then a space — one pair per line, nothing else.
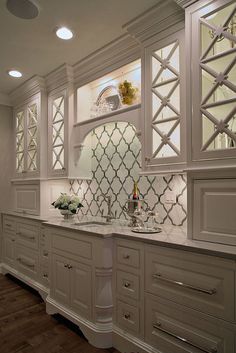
170, 236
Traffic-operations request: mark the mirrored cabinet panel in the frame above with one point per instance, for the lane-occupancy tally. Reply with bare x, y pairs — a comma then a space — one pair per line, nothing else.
214, 78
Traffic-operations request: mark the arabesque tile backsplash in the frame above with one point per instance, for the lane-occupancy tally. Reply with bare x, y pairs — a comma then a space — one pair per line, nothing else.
116, 162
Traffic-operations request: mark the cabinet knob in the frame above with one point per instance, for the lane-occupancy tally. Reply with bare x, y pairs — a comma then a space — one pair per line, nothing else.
45, 275
126, 256
127, 285
66, 265
127, 316
69, 266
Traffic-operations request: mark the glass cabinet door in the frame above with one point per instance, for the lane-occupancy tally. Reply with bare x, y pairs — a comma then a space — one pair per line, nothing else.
164, 114
214, 90
57, 133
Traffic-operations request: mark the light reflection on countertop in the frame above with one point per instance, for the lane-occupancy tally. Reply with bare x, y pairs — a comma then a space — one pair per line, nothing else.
170, 236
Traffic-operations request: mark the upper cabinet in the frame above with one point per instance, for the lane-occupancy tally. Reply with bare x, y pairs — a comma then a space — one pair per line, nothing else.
30, 122
212, 45
164, 109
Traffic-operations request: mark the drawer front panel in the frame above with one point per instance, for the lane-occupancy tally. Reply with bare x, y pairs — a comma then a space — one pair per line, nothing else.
9, 224
28, 235
128, 285
27, 262
128, 317
128, 256
73, 246
198, 285
173, 328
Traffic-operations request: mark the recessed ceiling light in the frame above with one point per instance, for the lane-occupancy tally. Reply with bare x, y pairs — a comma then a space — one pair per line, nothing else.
15, 73
64, 33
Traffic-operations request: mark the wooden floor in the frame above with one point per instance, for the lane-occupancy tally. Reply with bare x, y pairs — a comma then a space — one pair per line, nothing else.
25, 326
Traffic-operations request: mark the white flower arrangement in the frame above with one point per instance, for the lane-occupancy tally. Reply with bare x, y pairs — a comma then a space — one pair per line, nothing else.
67, 202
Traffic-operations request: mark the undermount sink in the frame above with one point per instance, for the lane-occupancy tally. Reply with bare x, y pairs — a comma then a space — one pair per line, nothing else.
92, 223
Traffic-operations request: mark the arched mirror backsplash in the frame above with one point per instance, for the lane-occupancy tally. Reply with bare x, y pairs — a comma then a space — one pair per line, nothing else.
115, 165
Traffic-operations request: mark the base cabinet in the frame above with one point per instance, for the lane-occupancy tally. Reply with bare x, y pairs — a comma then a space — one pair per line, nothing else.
22, 251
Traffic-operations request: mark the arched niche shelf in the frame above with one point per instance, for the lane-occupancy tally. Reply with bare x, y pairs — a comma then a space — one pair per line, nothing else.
131, 114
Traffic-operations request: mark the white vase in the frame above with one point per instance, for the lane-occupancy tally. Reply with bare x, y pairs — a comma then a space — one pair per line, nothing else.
68, 215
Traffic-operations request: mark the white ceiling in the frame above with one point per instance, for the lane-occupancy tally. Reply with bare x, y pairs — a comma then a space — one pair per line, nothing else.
32, 47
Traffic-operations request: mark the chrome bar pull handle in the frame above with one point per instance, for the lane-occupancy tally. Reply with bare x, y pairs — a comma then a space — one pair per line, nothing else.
159, 327
184, 285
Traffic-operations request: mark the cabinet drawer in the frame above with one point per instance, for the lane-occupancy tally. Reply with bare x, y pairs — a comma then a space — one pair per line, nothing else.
28, 234
199, 282
128, 256
9, 224
173, 328
127, 284
73, 246
27, 262
8, 252
128, 317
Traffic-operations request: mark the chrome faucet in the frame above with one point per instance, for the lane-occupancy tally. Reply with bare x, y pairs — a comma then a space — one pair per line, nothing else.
109, 215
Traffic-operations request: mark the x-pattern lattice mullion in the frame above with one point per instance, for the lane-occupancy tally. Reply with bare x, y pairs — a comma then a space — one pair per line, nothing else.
32, 160
165, 101
165, 139
219, 31
57, 156
221, 126
58, 109
165, 64
220, 79
57, 134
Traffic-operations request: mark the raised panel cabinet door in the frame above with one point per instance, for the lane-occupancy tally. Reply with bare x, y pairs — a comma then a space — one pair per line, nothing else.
60, 284
81, 288
9, 251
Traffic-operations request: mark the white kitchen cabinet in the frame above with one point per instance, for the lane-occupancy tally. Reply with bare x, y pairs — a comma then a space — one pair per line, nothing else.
22, 252
164, 137
64, 158
211, 42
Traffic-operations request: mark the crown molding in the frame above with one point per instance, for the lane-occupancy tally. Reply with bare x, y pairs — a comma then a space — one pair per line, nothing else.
5, 99
117, 53
60, 77
28, 89
165, 15
185, 3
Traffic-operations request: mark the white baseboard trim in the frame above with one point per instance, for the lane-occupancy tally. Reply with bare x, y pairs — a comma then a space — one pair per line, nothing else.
43, 291
98, 335
126, 343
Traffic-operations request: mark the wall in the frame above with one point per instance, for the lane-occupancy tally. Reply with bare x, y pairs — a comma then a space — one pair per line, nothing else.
5, 155
116, 163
